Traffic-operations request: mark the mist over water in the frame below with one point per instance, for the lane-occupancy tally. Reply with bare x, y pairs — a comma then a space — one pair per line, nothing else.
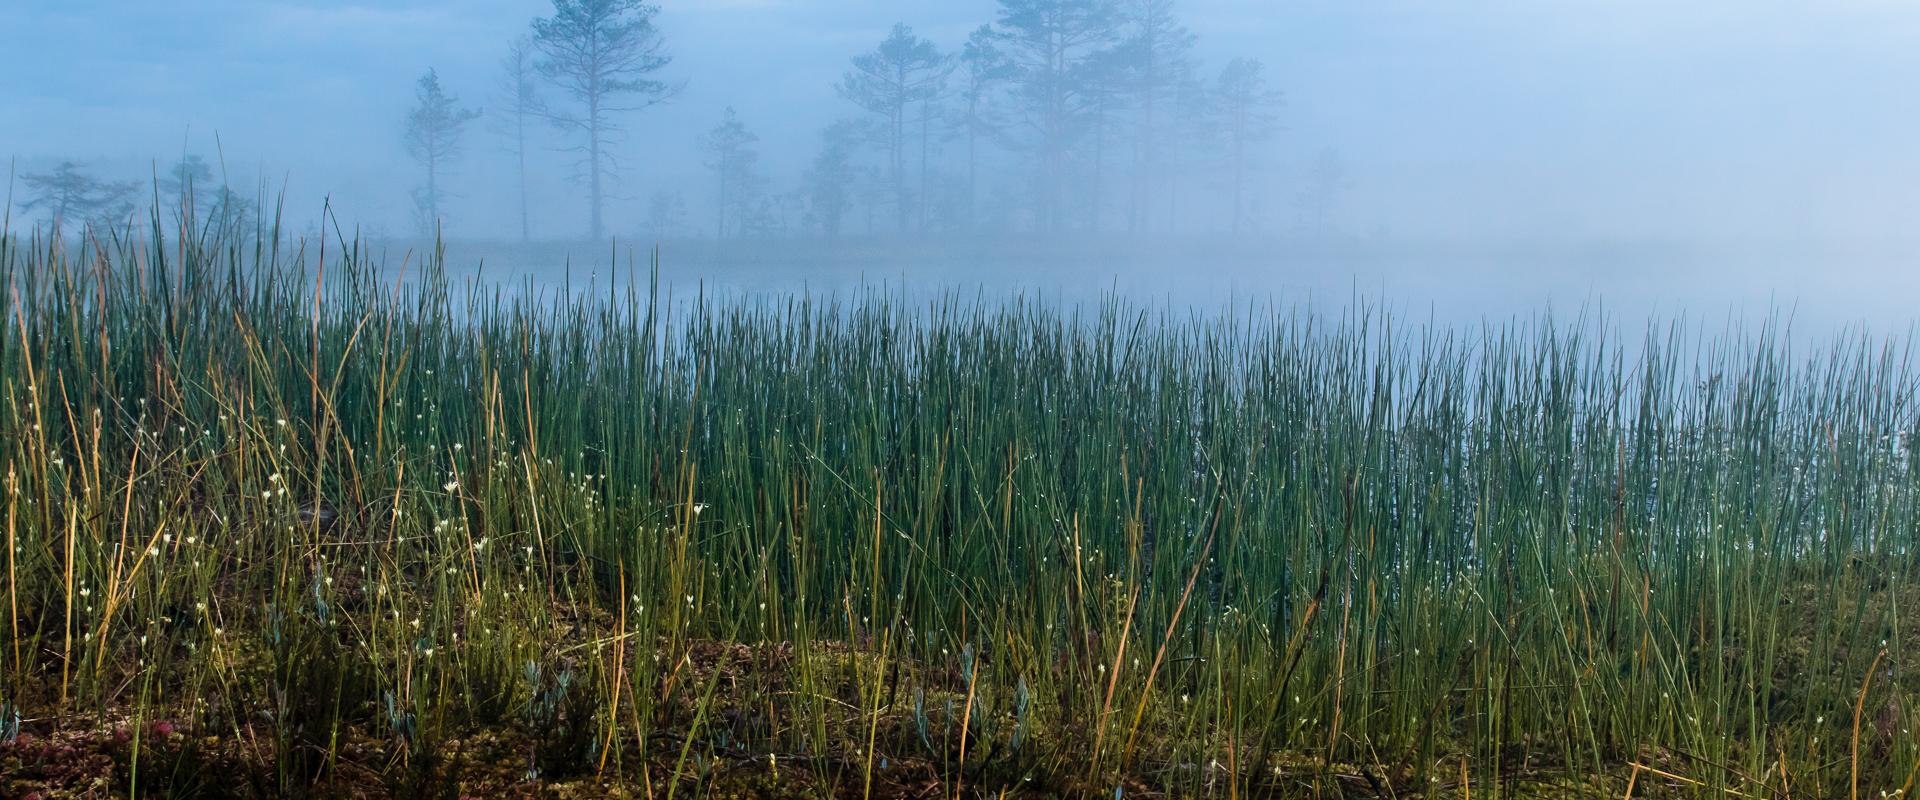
1032, 398
1709, 161
1819, 292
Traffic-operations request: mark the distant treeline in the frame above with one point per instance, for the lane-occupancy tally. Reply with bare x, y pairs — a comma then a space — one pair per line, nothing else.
1057, 116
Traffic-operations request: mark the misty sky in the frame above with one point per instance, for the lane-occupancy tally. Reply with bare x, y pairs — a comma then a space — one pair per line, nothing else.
1612, 119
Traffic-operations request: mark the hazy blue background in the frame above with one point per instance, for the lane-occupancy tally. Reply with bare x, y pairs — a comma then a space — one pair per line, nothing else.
1706, 154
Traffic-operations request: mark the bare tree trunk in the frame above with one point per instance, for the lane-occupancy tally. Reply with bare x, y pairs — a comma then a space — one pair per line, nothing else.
520, 134
1056, 134
972, 164
433, 191
900, 152
926, 146
1239, 172
1099, 168
973, 191
1143, 179
593, 159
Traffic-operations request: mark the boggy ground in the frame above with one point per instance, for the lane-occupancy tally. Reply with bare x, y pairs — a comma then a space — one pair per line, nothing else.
171, 755
227, 744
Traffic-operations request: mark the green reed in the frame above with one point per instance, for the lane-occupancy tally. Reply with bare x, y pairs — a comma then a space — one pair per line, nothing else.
301, 497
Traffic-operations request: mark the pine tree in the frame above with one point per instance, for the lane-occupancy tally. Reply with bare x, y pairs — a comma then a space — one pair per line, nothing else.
520, 104
434, 128
186, 185
1246, 107
1161, 53
1051, 44
830, 179
603, 54
983, 70
903, 70
735, 166
69, 194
